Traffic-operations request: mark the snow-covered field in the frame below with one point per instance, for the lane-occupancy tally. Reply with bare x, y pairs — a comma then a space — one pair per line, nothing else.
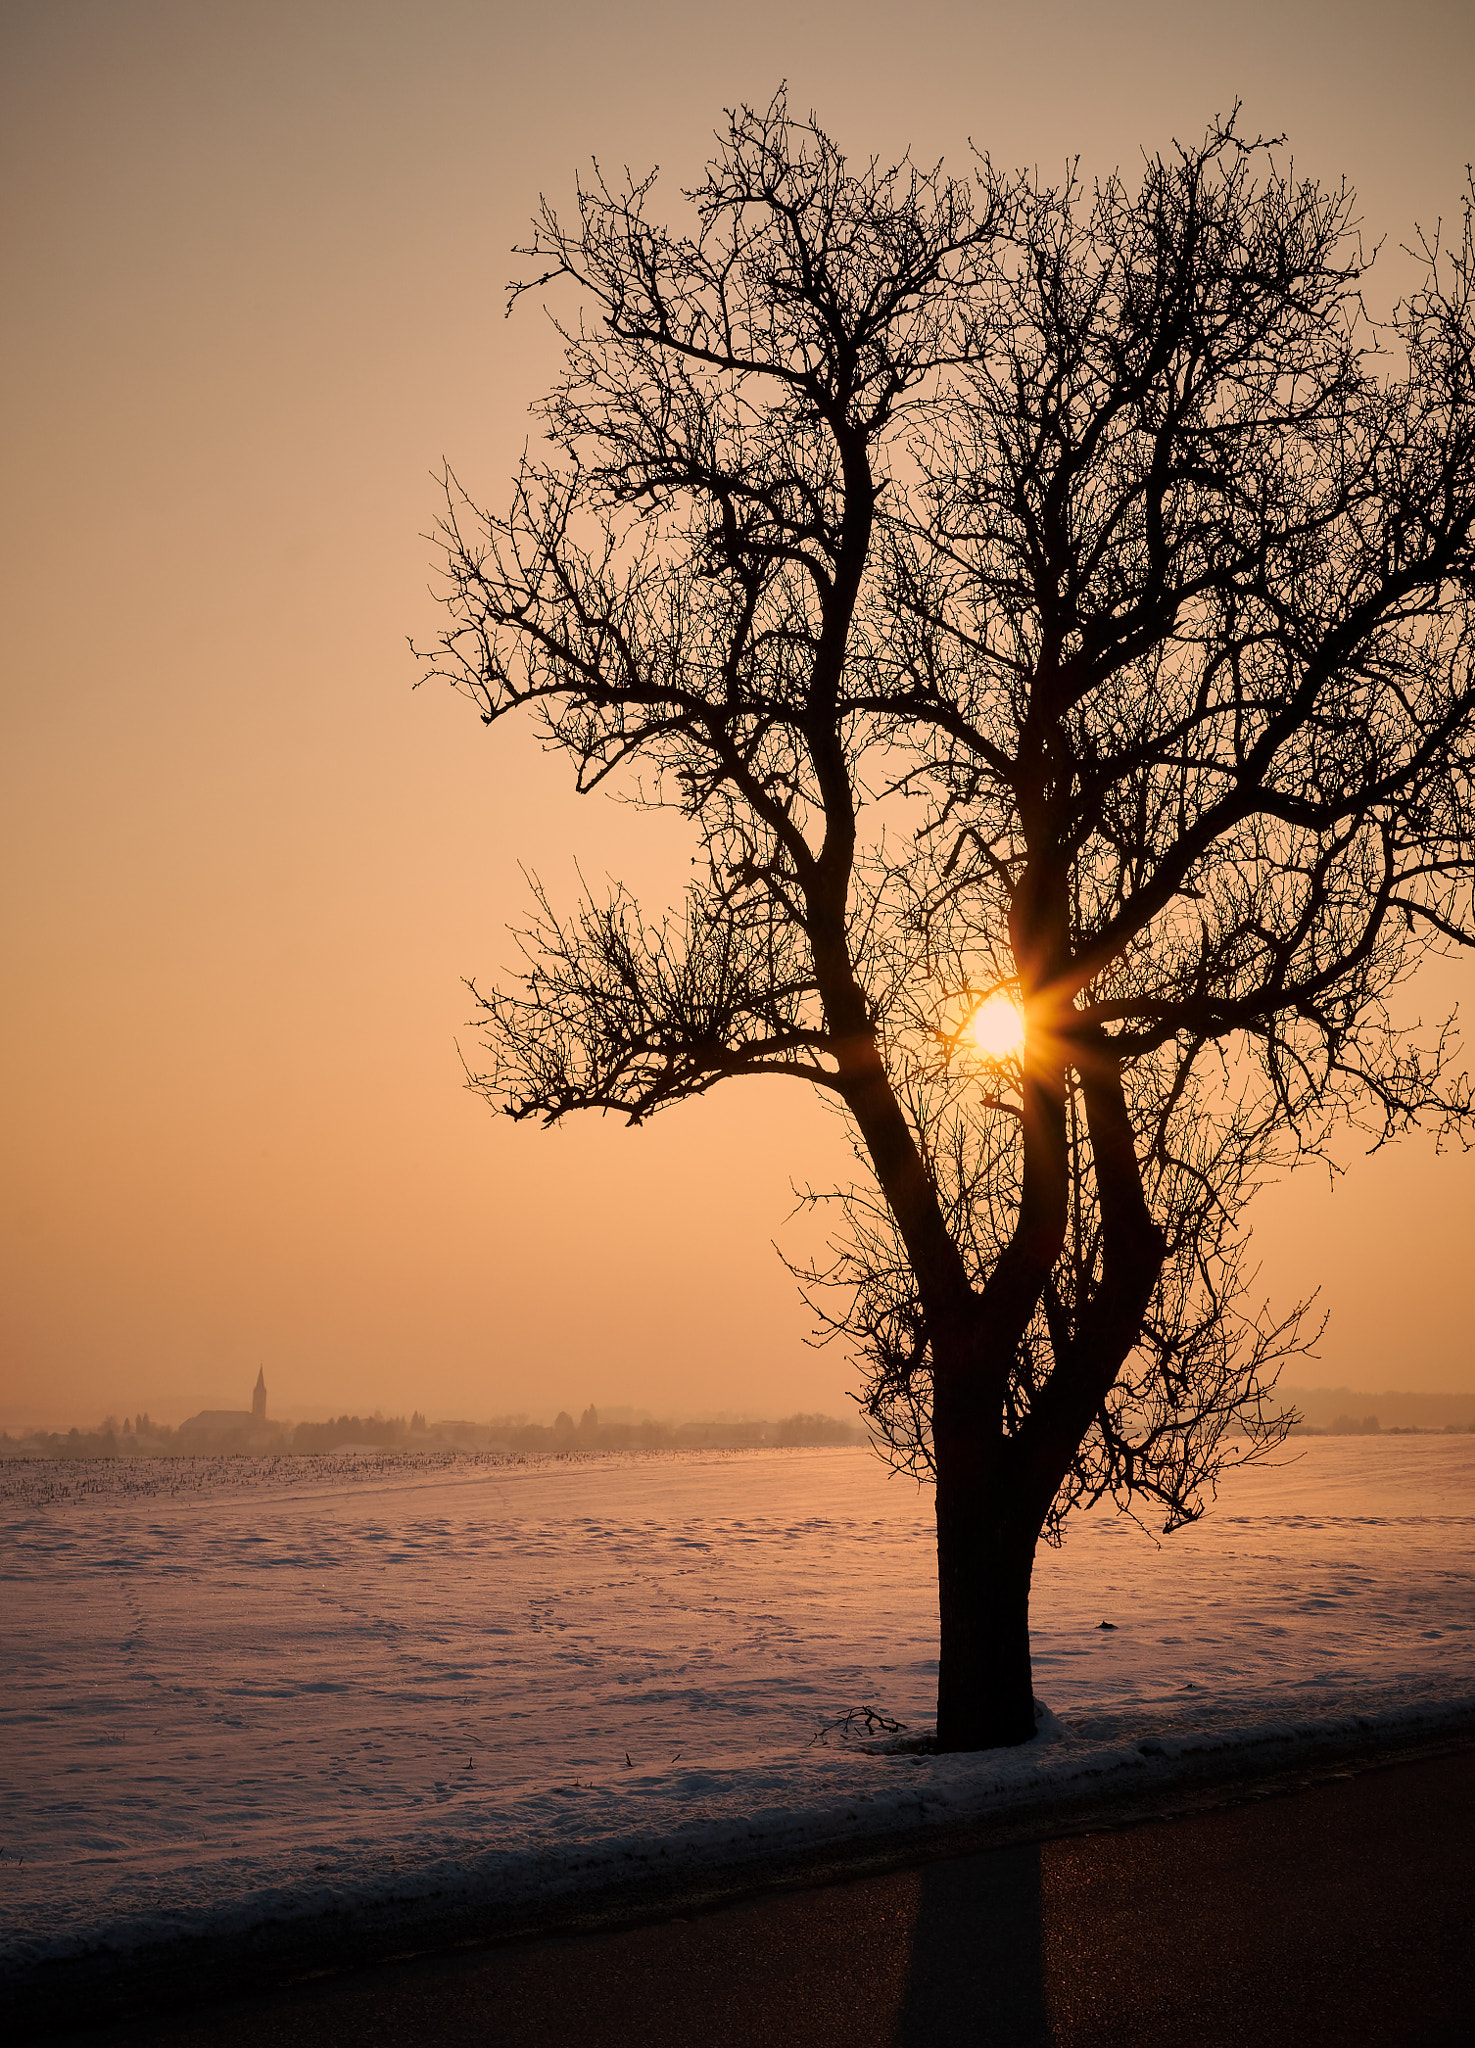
233, 1691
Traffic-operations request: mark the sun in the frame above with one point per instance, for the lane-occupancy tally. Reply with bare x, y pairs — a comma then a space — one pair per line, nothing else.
997, 1027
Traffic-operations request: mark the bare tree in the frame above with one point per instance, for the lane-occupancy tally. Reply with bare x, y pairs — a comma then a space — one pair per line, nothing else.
1059, 593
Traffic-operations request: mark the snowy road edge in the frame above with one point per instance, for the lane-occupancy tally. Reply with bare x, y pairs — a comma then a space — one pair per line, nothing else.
917, 1808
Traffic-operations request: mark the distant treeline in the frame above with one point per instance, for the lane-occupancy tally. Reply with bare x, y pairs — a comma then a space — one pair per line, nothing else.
1349, 1411
589, 1433
138, 1436
1369, 1425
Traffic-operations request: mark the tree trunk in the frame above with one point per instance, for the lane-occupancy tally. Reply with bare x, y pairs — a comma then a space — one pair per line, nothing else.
985, 1558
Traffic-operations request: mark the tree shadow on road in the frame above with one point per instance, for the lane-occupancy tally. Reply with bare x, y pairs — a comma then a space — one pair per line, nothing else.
977, 1966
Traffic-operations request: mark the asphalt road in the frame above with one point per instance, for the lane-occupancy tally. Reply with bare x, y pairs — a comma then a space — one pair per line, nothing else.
1339, 1915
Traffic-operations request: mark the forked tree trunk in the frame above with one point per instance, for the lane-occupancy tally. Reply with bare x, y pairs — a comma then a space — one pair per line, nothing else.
989, 1516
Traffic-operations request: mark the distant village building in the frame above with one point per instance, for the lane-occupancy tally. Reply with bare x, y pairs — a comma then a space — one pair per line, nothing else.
216, 1422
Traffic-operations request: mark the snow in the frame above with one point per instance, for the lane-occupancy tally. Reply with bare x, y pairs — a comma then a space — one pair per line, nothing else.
236, 1691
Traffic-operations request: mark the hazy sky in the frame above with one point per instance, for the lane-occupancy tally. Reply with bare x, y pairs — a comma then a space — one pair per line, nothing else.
253, 287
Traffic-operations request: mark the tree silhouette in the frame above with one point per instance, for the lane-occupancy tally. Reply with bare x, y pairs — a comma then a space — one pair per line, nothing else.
1043, 592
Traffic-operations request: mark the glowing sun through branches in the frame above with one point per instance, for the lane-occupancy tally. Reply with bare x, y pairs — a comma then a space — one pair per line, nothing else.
996, 1027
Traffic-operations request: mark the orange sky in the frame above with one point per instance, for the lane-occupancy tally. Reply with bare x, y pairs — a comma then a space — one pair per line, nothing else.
254, 269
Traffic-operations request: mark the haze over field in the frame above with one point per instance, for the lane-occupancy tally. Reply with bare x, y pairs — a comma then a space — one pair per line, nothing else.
255, 263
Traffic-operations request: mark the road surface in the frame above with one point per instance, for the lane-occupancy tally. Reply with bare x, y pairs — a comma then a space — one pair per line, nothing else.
1338, 1915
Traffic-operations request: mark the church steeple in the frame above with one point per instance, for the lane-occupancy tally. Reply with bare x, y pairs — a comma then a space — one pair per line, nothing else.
258, 1397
